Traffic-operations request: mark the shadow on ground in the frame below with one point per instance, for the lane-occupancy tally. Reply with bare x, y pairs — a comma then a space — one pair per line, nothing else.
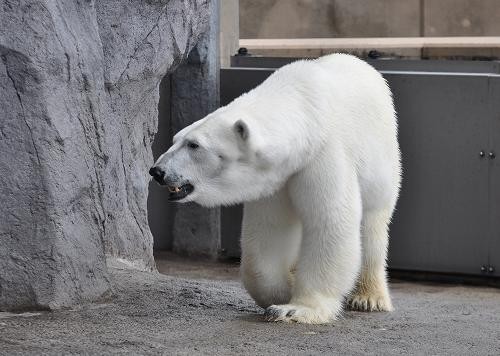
201, 308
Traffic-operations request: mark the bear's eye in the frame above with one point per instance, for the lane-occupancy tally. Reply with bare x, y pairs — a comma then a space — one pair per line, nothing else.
192, 145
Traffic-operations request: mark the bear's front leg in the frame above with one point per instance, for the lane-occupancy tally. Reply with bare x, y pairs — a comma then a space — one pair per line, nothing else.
271, 234
326, 272
328, 202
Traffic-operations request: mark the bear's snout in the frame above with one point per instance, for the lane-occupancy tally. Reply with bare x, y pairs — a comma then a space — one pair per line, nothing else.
158, 174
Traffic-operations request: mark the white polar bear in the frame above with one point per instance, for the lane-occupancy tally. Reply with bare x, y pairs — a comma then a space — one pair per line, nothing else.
313, 153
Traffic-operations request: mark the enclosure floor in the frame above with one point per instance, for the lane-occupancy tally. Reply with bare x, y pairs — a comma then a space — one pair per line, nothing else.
201, 308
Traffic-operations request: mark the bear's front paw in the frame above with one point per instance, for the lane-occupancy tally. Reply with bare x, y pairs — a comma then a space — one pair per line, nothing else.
370, 302
298, 313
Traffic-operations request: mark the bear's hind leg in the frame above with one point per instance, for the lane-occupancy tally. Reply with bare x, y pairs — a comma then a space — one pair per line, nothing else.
372, 291
271, 234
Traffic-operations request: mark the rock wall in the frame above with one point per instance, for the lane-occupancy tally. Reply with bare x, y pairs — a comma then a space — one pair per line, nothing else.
78, 112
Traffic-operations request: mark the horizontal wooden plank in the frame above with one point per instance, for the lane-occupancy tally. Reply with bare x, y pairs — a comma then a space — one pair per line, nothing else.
405, 47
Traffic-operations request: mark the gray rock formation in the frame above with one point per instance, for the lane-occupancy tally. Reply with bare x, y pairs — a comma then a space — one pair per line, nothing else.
78, 112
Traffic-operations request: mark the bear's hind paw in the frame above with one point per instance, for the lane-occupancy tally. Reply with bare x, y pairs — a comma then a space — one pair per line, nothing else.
370, 302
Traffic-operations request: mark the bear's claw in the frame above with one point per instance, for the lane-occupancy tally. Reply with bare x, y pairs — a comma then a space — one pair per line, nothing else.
272, 313
370, 303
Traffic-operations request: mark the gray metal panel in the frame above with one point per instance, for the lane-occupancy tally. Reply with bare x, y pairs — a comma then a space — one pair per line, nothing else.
494, 166
249, 61
383, 64
441, 222
445, 66
236, 81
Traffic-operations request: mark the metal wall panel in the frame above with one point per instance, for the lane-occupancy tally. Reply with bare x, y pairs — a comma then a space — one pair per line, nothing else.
382, 64
494, 177
236, 81
441, 221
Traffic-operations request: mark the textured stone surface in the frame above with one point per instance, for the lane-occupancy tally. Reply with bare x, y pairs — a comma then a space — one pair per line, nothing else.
154, 314
78, 105
142, 41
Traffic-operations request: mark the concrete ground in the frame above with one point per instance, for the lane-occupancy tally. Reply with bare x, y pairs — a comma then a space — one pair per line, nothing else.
201, 308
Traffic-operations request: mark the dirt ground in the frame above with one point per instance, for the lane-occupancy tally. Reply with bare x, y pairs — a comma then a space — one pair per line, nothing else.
201, 308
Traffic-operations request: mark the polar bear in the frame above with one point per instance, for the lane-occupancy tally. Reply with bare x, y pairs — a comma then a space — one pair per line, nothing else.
313, 154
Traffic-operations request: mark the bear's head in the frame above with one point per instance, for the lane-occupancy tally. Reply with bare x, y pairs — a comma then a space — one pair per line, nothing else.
218, 161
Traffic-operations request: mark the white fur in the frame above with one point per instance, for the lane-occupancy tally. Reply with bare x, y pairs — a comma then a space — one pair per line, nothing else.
320, 175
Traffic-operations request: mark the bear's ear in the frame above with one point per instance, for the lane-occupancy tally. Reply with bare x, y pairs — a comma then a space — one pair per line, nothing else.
241, 129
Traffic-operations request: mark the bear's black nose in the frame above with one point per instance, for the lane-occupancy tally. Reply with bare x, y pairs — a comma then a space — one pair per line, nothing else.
157, 174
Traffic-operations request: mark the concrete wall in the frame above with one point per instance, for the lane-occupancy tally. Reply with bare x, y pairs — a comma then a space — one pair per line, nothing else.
462, 17
78, 113
368, 18
229, 30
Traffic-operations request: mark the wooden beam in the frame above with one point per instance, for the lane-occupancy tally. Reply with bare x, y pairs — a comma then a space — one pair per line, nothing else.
405, 47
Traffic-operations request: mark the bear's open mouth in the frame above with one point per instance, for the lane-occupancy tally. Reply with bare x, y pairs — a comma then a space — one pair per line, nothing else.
178, 193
